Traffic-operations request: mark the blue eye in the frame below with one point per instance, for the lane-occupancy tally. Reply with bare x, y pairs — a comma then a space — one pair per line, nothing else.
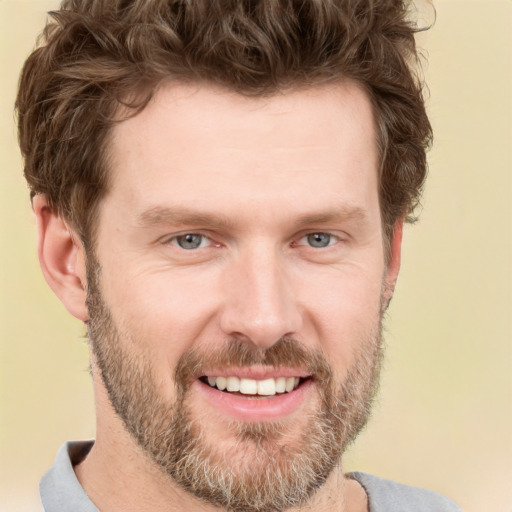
191, 241
319, 240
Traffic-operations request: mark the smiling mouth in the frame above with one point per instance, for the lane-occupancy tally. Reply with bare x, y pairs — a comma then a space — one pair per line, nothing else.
264, 387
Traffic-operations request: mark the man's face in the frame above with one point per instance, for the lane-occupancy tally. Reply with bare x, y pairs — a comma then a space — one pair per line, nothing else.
240, 245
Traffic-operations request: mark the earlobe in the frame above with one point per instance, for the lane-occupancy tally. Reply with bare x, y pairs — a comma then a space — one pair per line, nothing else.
61, 257
393, 267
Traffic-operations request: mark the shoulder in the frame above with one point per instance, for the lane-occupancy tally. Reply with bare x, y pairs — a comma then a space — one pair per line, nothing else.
60, 490
389, 496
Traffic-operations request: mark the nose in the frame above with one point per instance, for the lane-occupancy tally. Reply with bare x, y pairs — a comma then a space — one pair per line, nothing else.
260, 305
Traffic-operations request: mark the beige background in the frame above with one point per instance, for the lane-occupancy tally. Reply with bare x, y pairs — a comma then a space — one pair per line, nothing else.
444, 418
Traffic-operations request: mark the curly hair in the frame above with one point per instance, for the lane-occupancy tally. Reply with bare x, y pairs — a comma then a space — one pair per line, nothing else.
96, 56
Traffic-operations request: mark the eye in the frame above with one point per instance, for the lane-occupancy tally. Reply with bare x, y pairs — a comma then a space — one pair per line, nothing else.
190, 241
320, 240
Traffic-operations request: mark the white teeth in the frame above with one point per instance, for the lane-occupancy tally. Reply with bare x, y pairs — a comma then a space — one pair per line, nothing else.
281, 385
233, 384
290, 384
266, 387
221, 383
248, 387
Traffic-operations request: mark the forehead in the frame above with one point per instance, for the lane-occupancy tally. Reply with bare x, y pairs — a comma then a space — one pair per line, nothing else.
197, 141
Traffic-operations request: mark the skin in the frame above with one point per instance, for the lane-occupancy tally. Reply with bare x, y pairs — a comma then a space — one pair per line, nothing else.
255, 177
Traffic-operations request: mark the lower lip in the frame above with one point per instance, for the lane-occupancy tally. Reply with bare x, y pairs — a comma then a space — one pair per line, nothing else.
255, 409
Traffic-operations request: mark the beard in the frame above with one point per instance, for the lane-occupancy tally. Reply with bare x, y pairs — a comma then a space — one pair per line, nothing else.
266, 468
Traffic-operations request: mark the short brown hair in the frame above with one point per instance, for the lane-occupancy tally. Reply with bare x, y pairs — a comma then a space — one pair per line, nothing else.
97, 55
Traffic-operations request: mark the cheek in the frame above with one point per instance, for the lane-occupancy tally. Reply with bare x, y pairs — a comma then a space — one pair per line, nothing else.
344, 311
159, 312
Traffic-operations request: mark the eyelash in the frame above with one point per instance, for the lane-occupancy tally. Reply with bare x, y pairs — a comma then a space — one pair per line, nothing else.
332, 240
175, 240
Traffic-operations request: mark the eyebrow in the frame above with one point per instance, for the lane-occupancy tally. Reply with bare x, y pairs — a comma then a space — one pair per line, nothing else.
160, 215
342, 214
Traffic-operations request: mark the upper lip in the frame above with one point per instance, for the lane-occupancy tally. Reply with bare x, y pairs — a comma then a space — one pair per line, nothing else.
256, 373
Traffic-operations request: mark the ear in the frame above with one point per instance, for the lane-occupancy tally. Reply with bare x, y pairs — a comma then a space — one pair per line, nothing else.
393, 266
61, 257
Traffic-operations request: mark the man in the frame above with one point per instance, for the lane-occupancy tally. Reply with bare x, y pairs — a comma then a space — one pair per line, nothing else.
220, 189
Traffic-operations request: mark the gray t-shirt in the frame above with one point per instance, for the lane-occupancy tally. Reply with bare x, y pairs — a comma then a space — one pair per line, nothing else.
61, 491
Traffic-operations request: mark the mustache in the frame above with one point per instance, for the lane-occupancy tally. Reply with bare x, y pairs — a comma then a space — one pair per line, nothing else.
287, 351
